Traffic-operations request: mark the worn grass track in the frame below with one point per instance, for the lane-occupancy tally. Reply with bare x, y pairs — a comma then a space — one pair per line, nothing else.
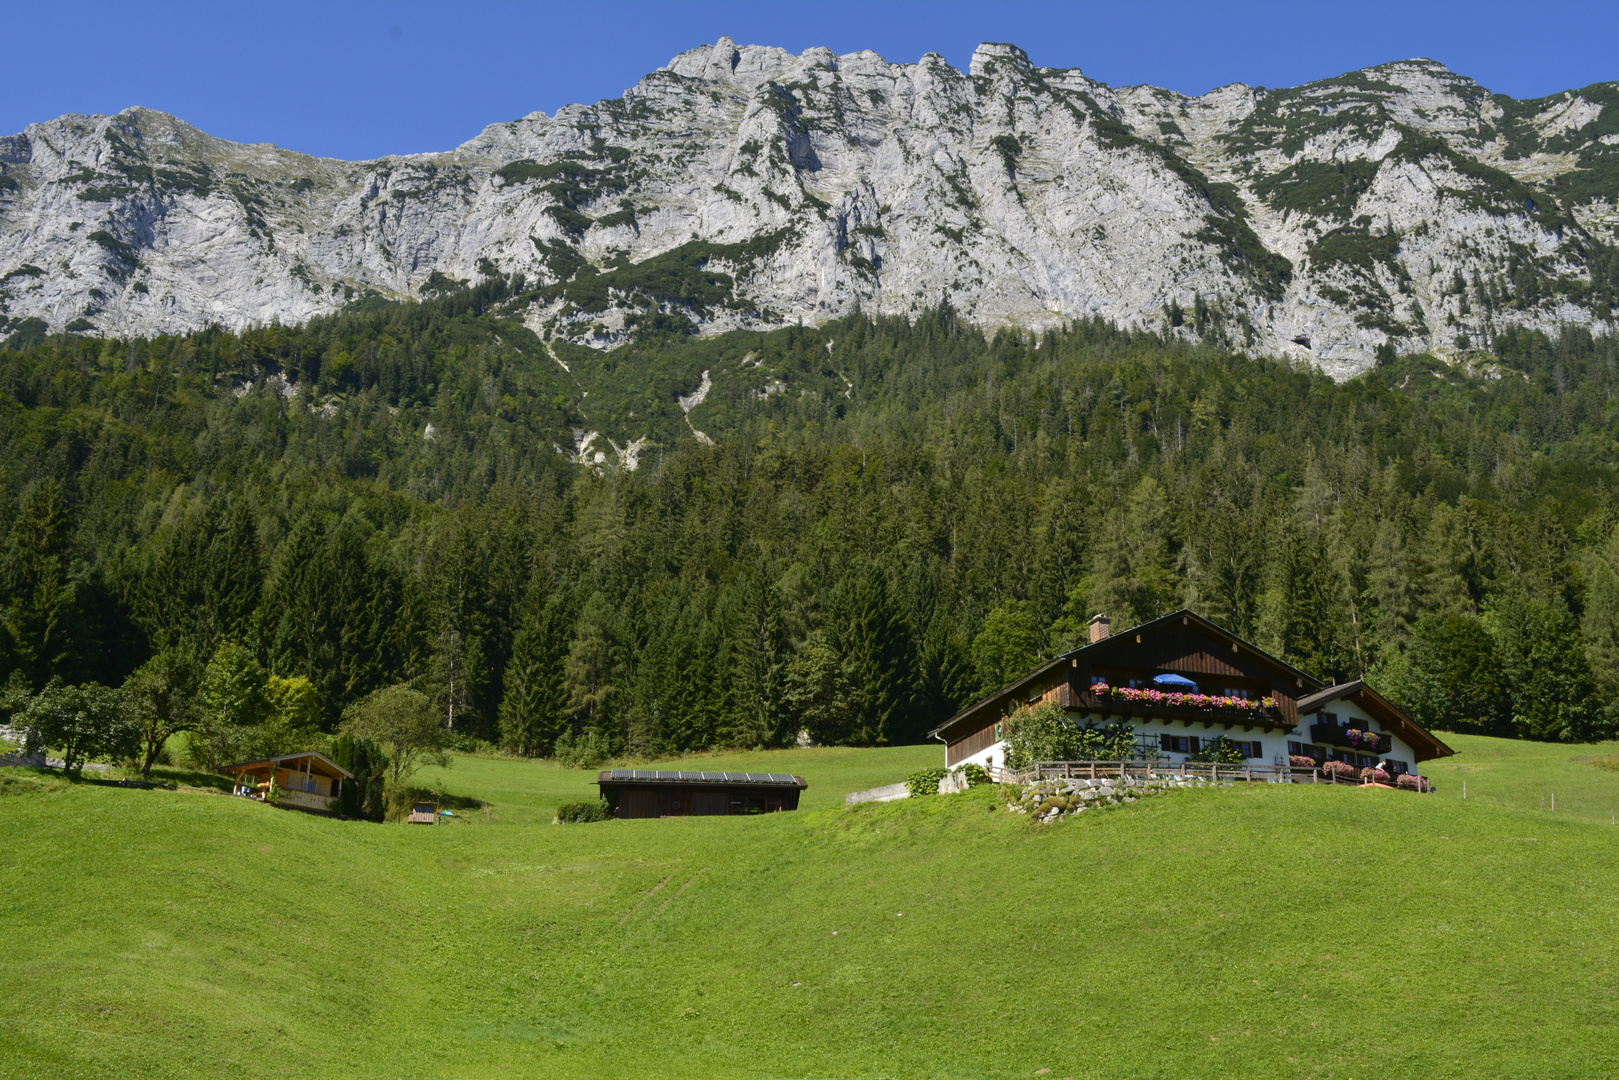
1263, 931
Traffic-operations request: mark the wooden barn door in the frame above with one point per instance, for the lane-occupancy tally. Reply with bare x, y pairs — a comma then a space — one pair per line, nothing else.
708, 803
638, 804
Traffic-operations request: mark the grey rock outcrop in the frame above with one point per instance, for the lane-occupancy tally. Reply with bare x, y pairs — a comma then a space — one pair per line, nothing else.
1400, 207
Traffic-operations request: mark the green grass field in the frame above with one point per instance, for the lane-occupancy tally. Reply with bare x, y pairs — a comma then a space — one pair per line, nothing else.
1247, 931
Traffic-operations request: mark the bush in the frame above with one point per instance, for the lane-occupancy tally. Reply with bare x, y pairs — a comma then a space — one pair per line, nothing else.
1413, 782
1302, 761
464, 743
578, 813
1047, 733
974, 773
925, 782
1221, 751
587, 750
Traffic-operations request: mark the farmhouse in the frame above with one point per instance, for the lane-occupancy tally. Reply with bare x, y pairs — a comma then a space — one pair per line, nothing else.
648, 793
1180, 680
307, 781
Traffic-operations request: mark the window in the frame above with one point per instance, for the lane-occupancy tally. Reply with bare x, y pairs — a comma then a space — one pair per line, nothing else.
1237, 692
1178, 744
1250, 749
1329, 718
1296, 749
1398, 768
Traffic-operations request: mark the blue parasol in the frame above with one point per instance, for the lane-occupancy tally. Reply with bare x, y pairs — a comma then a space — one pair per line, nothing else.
1171, 681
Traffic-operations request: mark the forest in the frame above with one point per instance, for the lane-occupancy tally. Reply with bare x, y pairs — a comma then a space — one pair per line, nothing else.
860, 527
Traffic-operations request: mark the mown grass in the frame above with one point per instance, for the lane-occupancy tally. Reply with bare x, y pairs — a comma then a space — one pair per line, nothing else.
1508, 773
1248, 931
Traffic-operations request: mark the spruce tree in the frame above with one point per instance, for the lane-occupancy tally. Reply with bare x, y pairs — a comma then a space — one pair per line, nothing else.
39, 619
535, 709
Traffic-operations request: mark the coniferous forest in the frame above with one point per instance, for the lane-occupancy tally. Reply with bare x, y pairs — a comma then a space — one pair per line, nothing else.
879, 519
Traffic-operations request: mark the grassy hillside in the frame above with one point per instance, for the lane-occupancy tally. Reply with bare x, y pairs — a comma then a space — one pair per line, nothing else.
1254, 931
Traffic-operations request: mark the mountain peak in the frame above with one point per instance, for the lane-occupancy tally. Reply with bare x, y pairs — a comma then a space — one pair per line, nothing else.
745, 186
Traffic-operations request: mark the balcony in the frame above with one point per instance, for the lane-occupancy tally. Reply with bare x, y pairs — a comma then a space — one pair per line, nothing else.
1366, 742
1191, 708
306, 800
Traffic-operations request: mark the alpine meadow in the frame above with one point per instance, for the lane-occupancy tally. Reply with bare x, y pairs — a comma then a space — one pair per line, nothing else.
849, 450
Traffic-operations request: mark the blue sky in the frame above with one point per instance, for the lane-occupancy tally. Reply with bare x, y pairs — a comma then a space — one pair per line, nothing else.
362, 79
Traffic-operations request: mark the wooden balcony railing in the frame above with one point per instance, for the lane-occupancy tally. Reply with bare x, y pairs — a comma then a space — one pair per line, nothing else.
1367, 742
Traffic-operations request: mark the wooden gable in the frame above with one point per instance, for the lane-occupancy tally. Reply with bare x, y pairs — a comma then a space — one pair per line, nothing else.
1189, 645
1181, 642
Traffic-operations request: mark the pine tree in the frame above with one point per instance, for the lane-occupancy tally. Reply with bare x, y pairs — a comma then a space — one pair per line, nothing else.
39, 619
880, 656
535, 709
591, 671
758, 705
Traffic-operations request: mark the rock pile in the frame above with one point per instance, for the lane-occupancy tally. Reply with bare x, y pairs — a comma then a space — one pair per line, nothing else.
1050, 799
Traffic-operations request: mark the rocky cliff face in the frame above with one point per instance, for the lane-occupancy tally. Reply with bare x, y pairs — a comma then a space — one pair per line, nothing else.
1400, 207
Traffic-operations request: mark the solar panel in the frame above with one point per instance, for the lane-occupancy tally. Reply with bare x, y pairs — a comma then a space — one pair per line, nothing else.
667, 777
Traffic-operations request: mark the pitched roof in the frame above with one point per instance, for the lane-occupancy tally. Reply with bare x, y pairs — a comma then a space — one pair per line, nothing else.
314, 755
1184, 614
1423, 743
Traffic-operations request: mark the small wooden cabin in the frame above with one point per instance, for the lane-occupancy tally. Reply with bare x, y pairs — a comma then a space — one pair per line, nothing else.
308, 781
648, 793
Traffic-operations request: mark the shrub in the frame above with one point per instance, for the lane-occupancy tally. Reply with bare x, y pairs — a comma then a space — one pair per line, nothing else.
1047, 733
1413, 782
1382, 776
1302, 761
1220, 750
974, 773
463, 743
925, 782
586, 750
578, 813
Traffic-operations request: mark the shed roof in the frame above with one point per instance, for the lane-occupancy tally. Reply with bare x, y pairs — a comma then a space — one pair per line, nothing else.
319, 763
734, 779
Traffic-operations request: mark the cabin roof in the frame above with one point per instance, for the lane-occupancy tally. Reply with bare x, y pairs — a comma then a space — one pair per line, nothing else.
707, 779
1122, 638
1423, 743
319, 763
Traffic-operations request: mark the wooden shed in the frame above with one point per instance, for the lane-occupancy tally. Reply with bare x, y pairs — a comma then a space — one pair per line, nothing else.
649, 793
308, 781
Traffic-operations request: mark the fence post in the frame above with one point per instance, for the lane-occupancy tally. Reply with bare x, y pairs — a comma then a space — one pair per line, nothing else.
1215, 777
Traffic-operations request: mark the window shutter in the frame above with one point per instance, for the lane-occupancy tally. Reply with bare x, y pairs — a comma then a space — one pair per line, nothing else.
1192, 743
1258, 751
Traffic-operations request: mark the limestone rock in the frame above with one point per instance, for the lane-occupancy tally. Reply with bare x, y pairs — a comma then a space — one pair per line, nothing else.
1398, 207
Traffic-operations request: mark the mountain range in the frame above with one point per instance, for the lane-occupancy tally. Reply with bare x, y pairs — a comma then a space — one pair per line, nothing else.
1398, 209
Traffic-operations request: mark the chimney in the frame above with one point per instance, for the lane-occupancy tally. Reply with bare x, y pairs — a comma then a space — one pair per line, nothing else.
1100, 628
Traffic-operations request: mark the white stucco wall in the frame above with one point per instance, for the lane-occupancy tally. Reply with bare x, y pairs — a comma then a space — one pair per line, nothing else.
1272, 743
